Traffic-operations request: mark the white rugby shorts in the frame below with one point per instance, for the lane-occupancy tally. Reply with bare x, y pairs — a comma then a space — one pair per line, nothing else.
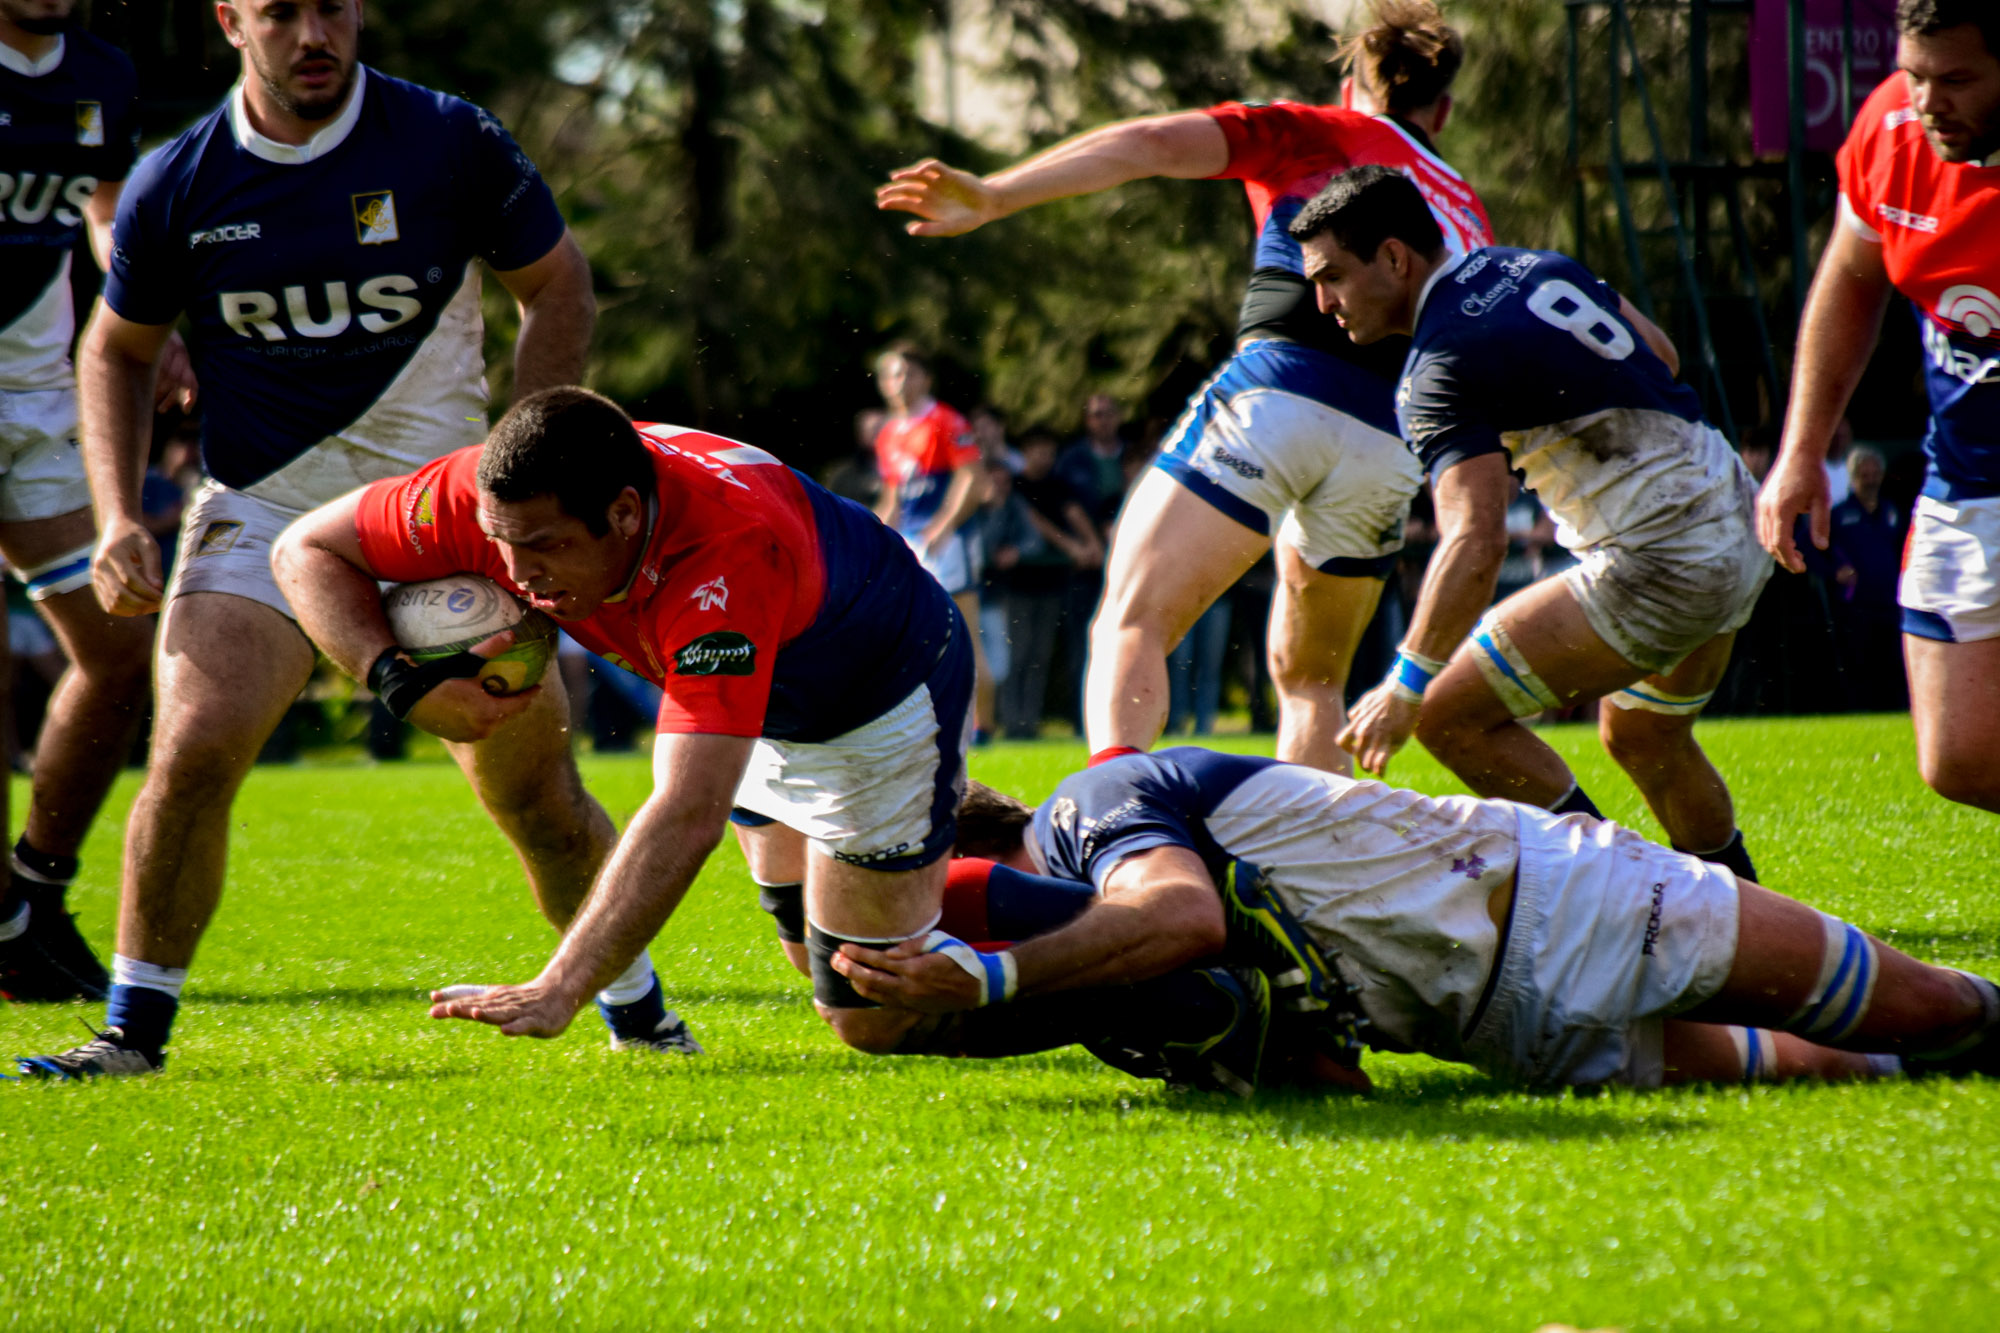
41, 467
1950, 590
1655, 604
1610, 936
1280, 441
226, 539
955, 565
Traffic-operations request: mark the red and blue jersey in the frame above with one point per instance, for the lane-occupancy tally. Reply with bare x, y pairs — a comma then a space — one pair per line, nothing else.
1937, 223
327, 286
917, 455
1285, 153
67, 123
762, 605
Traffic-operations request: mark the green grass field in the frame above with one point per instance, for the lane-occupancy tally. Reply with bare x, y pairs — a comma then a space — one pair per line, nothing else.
319, 1154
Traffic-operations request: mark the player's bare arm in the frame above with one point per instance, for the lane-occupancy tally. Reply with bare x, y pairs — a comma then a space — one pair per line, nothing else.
319, 564
1184, 145
694, 784
1843, 317
115, 366
961, 501
174, 383
558, 311
1458, 586
1160, 911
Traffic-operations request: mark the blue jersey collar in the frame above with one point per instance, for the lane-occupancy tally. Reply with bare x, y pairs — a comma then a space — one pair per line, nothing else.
1439, 274
32, 69
325, 141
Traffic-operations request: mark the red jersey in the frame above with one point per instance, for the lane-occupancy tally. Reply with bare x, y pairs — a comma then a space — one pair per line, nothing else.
1937, 223
917, 455
760, 605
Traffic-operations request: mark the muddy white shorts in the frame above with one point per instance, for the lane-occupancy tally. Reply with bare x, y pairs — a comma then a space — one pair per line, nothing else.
41, 468
225, 546
1950, 589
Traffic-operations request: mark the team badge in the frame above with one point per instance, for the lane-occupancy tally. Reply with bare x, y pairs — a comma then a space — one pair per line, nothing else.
712, 595
90, 124
1063, 815
218, 537
375, 217
423, 514
721, 653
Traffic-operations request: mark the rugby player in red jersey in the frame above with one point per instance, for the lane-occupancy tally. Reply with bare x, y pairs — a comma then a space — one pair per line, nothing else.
815, 679
1919, 214
1294, 438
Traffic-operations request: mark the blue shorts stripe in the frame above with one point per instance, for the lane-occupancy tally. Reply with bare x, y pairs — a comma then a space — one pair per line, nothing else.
1927, 625
1360, 566
1232, 507
51, 578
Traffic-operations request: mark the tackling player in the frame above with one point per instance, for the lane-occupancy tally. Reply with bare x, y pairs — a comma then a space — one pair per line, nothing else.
68, 102
1294, 437
1543, 949
1523, 360
814, 676
1919, 214
931, 484
318, 230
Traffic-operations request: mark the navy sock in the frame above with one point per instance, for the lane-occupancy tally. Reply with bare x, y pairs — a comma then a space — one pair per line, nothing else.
1020, 905
1577, 802
144, 1015
638, 1020
1734, 858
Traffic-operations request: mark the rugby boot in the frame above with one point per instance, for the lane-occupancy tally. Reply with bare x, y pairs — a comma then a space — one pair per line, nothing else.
1978, 1054
670, 1034
105, 1055
1230, 1059
50, 960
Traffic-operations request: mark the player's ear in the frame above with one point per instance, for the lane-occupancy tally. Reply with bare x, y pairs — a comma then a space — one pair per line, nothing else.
627, 513
230, 20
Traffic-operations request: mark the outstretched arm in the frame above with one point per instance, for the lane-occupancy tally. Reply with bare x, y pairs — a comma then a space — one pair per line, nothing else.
1842, 319
1185, 145
694, 784
1472, 499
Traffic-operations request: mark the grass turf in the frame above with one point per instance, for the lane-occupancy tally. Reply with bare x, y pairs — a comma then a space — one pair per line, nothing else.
319, 1154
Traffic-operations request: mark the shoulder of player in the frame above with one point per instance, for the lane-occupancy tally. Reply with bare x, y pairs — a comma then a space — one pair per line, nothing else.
89, 59
399, 98
167, 169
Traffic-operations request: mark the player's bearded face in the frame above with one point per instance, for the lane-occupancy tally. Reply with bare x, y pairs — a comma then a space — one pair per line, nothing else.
1955, 88
303, 54
44, 18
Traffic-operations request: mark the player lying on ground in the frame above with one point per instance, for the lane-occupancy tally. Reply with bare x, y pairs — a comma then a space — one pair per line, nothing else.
1523, 360
1294, 439
1919, 213
814, 675
1544, 949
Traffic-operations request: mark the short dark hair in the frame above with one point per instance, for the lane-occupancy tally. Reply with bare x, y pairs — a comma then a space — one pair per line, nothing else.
909, 353
571, 443
1409, 58
1927, 18
1363, 207
991, 823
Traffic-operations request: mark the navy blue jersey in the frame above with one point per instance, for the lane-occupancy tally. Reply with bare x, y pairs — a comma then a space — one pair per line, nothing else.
327, 285
1135, 803
67, 124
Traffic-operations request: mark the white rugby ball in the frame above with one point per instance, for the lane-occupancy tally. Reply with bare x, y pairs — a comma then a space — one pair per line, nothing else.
440, 617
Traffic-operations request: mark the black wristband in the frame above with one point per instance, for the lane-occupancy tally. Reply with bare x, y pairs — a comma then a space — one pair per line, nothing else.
400, 683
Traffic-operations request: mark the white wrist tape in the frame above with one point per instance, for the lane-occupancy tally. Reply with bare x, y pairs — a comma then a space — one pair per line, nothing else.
1412, 675
994, 972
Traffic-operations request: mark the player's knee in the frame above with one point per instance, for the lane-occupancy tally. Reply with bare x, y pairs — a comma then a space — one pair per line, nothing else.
1638, 741
1960, 776
1444, 731
870, 1031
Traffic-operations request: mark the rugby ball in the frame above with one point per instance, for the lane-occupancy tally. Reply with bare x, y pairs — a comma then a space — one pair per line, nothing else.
449, 615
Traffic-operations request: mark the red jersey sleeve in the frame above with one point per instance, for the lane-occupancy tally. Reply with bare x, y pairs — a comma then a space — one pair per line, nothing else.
1282, 141
715, 627
950, 446
426, 525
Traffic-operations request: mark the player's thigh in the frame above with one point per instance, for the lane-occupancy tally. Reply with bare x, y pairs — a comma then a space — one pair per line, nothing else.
1954, 704
1533, 651
528, 764
28, 543
856, 902
226, 669
773, 853
1664, 706
1173, 555
1317, 619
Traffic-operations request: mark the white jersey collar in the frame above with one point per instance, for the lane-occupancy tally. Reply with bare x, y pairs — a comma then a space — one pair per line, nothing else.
33, 69
1439, 274
325, 141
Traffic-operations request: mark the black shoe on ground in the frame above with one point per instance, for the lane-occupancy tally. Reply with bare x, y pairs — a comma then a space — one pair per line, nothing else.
50, 961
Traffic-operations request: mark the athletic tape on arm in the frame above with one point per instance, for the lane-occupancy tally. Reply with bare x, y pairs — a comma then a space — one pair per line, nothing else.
994, 972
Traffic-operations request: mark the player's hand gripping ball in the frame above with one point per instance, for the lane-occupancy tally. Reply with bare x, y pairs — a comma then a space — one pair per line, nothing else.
451, 615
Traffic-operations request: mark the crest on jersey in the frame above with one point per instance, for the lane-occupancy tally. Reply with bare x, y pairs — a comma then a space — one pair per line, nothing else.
218, 537
90, 124
423, 514
375, 217
712, 595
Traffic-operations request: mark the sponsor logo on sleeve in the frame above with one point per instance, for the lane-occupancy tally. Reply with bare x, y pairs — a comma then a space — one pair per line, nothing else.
712, 595
228, 231
718, 653
218, 537
1903, 218
90, 124
375, 217
422, 514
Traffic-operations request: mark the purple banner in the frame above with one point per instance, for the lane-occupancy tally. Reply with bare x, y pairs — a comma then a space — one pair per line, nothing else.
1770, 50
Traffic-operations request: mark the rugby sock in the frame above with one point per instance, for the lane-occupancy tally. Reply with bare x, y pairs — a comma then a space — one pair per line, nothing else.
1731, 856
1110, 752
986, 901
633, 1005
144, 1000
1576, 802
1125, 1026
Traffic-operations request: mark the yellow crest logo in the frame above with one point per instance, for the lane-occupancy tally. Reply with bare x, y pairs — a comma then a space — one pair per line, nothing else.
426, 512
375, 217
218, 537
90, 124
